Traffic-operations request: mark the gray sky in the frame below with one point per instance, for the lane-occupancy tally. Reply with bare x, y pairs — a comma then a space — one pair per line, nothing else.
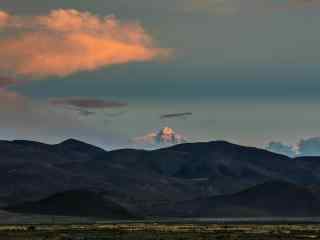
246, 70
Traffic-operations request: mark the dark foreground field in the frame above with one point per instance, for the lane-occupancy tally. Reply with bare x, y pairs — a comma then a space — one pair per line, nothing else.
161, 232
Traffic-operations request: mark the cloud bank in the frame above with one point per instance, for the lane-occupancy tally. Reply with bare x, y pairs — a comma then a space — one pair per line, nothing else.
309, 146
305, 147
281, 148
67, 41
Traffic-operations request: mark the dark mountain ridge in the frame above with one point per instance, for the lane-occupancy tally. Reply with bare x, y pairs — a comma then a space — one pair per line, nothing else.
140, 179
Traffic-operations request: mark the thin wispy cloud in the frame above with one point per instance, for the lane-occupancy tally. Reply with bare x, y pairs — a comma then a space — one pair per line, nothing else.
67, 41
88, 103
305, 147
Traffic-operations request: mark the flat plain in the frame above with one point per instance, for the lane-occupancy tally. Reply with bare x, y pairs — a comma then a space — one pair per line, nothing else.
159, 231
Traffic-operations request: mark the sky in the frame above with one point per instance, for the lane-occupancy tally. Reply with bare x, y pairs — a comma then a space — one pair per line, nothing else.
108, 71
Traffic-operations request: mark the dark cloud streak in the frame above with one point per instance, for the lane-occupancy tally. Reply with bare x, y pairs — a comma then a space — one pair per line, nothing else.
88, 103
176, 115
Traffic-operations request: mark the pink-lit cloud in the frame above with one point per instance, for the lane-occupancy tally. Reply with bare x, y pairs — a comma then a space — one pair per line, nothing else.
7, 81
10, 99
4, 18
68, 41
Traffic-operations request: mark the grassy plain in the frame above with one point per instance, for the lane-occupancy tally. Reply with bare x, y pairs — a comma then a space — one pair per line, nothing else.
154, 231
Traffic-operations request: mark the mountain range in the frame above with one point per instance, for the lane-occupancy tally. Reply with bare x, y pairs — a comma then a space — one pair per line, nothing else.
208, 179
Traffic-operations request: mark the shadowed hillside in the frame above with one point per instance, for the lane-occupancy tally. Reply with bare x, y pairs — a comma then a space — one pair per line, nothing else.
271, 199
74, 203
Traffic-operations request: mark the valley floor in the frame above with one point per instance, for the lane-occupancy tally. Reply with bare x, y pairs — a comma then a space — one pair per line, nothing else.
156, 231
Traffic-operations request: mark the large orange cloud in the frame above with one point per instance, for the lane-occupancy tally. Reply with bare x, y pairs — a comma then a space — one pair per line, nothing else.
4, 17
67, 41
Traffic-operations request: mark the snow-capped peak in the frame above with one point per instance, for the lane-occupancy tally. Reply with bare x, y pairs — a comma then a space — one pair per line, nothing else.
166, 136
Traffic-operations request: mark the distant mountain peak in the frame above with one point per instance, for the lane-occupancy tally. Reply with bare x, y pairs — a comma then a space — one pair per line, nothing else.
72, 141
165, 136
74, 144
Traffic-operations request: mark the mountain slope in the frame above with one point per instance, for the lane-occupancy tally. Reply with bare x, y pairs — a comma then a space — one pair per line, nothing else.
79, 203
271, 199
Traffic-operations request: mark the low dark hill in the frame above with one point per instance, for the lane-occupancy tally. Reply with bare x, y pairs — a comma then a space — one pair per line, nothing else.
271, 199
78, 203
